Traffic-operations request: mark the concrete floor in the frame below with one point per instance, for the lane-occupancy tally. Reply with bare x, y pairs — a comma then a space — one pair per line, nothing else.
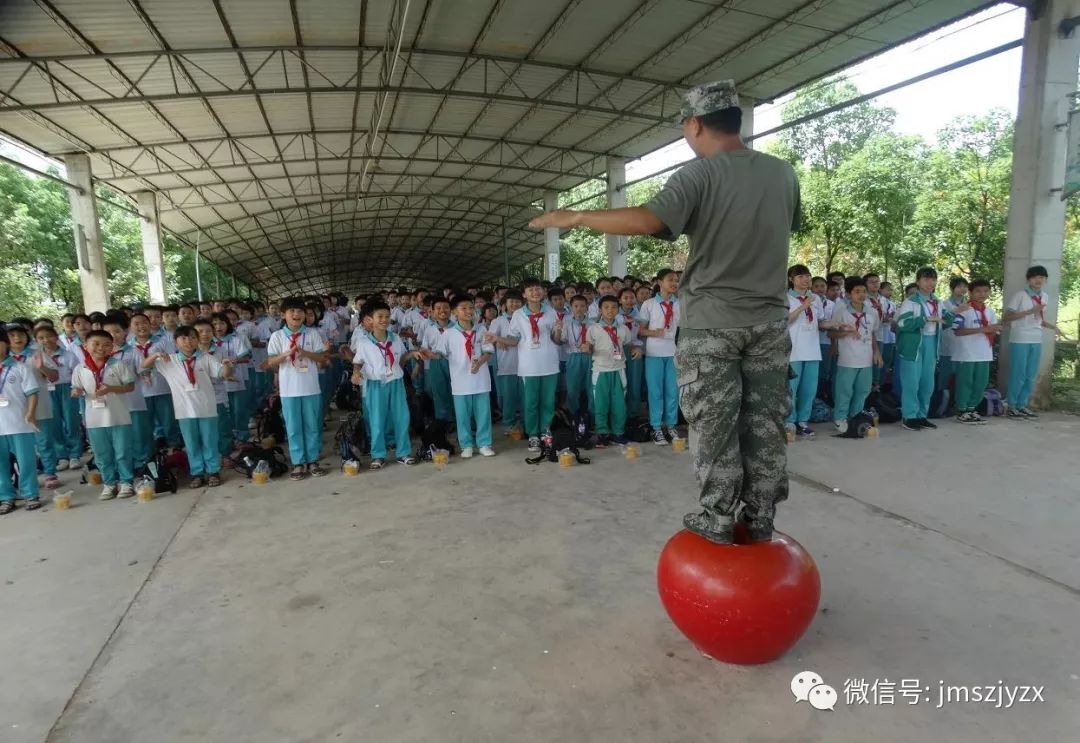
495, 601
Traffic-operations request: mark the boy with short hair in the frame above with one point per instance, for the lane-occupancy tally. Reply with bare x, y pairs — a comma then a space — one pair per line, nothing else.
886, 340
973, 350
607, 340
467, 354
125, 336
635, 363
104, 380
296, 352
18, 416
437, 369
958, 291
534, 329
506, 356
658, 321
46, 374
918, 325
209, 344
1025, 316
579, 359
190, 376
858, 352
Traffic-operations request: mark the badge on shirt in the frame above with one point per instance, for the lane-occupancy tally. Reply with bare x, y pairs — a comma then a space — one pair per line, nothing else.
97, 402
4, 402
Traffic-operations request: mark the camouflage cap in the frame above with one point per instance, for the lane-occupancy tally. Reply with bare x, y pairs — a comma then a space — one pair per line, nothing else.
708, 97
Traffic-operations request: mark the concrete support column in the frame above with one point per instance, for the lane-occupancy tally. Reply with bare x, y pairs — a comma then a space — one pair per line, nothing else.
1036, 211
747, 130
617, 245
93, 280
150, 225
551, 239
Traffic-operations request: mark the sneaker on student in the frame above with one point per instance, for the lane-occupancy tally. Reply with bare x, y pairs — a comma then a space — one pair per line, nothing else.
534, 443
52, 482
108, 492
804, 431
603, 440
466, 452
1028, 412
911, 424
620, 440
841, 426
74, 465
659, 438
487, 451
1015, 414
966, 417
61, 465
976, 418
926, 424
126, 490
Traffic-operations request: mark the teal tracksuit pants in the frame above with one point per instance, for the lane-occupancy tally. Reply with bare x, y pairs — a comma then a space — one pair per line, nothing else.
510, 392
303, 427
113, 448
609, 396
66, 408
918, 379
21, 446
163, 417
663, 391
888, 351
578, 381
803, 388
1023, 370
386, 408
49, 439
239, 414
850, 388
946, 370
971, 380
201, 441
258, 383
538, 394
437, 385
224, 428
635, 383
142, 438
470, 410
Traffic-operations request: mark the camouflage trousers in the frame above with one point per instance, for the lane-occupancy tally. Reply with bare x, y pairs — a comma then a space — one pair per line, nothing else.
733, 389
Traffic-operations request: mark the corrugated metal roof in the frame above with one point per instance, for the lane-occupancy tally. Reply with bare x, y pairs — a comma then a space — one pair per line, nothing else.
258, 121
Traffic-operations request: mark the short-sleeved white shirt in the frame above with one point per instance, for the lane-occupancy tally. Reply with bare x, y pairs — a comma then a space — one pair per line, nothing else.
198, 401
805, 341
651, 315
1027, 329
297, 377
452, 345
505, 358
886, 311
603, 350
17, 384
64, 361
235, 346
629, 321
136, 401
429, 335
856, 353
573, 332
947, 337
976, 346
376, 364
107, 410
150, 380
44, 405
538, 354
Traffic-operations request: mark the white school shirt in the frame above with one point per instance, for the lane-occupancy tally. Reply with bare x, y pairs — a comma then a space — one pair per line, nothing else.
198, 401
857, 353
977, 346
150, 381
64, 361
107, 410
828, 307
629, 321
506, 359
17, 384
651, 315
572, 331
397, 317
1027, 329
44, 406
375, 363
541, 359
947, 337
234, 346
72, 342
344, 318
221, 390
328, 324
452, 345
933, 309
886, 311
264, 328
603, 350
564, 315
129, 355
805, 342
297, 377
594, 310
429, 335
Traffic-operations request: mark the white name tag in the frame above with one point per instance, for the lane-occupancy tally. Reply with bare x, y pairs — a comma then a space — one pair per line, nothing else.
4, 402
97, 402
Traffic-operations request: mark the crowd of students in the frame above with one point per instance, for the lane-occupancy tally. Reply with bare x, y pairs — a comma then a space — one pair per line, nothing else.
849, 337
191, 376
133, 380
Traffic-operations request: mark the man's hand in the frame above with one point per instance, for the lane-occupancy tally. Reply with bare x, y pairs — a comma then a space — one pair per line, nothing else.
561, 218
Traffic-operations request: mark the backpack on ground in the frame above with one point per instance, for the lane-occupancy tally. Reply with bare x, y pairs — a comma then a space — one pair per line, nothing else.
564, 436
352, 438
638, 430
940, 404
884, 405
347, 397
820, 412
249, 456
583, 430
158, 470
857, 426
991, 403
269, 421
434, 436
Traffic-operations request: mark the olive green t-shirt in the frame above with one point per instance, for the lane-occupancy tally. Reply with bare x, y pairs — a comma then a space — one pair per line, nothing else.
738, 209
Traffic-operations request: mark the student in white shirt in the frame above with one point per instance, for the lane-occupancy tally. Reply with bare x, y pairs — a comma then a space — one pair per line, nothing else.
858, 353
883, 306
18, 413
578, 372
635, 363
378, 358
506, 359
973, 349
296, 352
608, 340
103, 380
658, 321
125, 335
467, 355
51, 443
958, 291
261, 380
236, 346
436, 369
46, 373
207, 344
190, 376
1025, 314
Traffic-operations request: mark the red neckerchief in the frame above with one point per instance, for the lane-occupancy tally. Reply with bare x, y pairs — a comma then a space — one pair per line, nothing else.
534, 323
668, 306
189, 368
294, 339
387, 352
98, 372
984, 321
584, 330
860, 317
808, 308
628, 322
469, 335
1036, 300
20, 357
933, 306
144, 348
613, 334
876, 304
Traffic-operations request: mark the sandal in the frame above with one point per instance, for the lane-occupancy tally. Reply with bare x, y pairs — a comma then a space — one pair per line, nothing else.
376, 464
6, 507
315, 470
298, 473
407, 460
213, 480
196, 482
32, 505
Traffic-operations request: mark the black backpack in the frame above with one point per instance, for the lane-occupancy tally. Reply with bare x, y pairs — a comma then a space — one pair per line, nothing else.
638, 430
940, 404
582, 422
857, 427
158, 471
884, 404
269, 420
352, 438
249, 456
348, 395
564, 435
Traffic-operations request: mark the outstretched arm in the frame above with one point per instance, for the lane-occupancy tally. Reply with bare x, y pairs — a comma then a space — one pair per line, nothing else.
634, 220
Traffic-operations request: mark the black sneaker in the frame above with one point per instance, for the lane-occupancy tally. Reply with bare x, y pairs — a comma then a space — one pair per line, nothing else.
659, 438
1015, 414
620, 440
603, 440
911, 424
804, 431
926, 424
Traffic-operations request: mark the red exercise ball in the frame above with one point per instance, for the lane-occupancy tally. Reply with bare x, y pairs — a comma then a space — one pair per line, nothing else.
743, 603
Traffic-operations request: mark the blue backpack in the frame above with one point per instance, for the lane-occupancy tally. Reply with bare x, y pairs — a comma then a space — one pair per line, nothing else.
991, 404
